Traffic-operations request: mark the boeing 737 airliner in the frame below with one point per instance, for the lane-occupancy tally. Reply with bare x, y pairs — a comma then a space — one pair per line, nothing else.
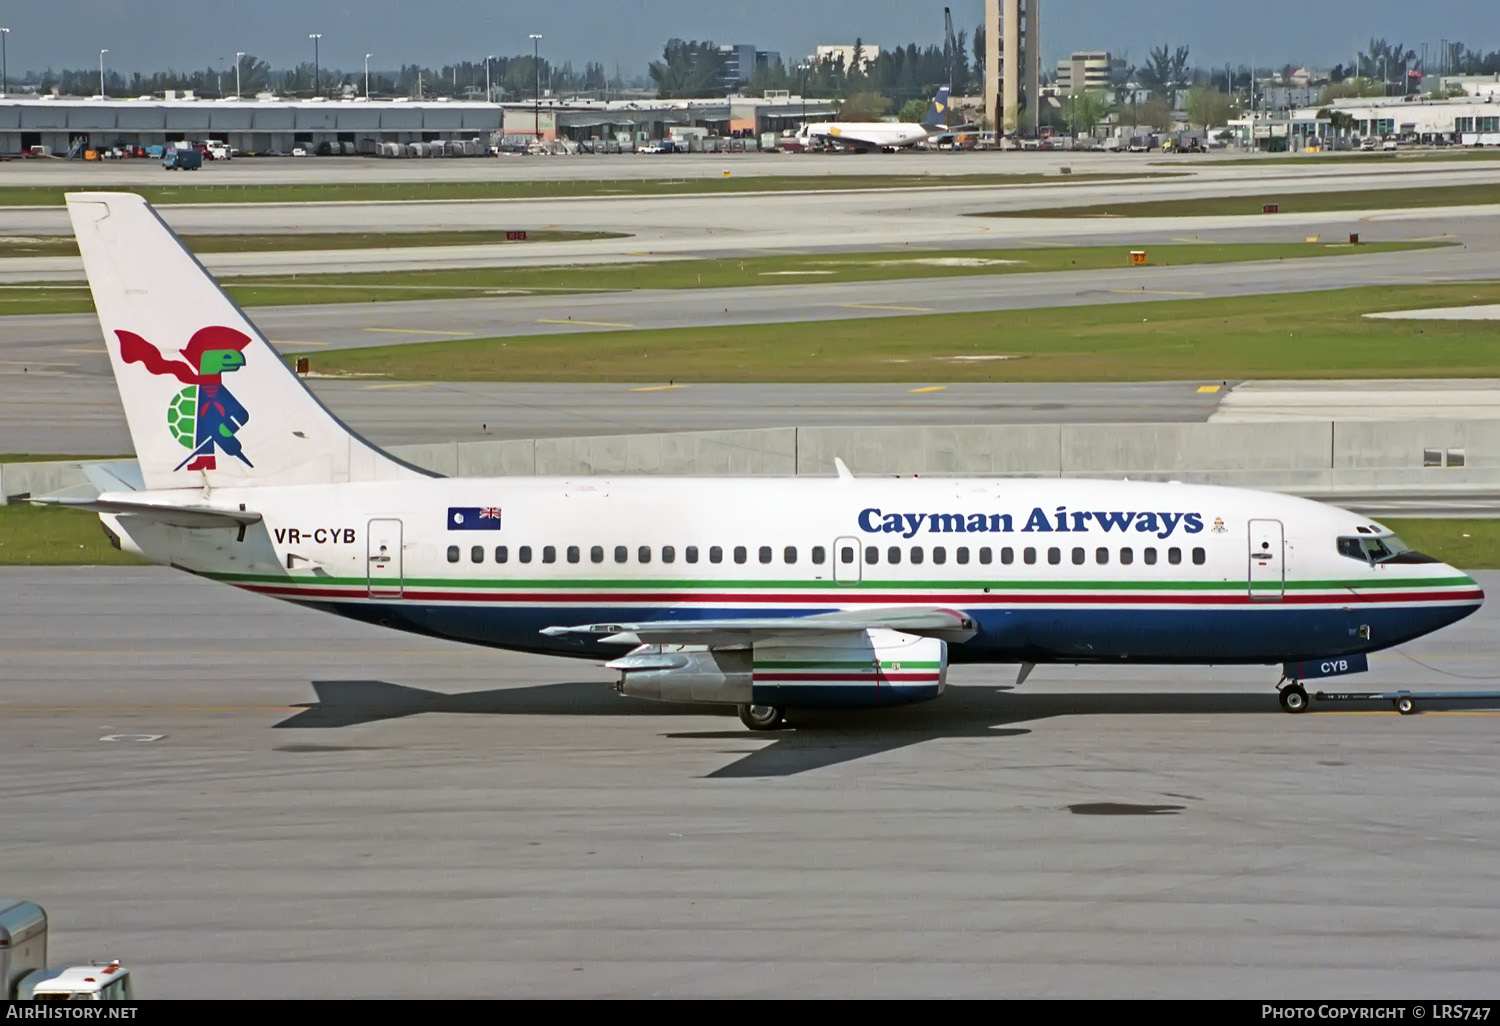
759, 593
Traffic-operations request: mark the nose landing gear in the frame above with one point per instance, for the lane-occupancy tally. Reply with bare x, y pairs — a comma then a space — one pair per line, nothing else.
762, 717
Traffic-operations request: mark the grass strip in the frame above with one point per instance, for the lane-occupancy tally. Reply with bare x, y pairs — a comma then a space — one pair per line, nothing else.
411, 192
295, 242
1286, 202
1296, 335
1467, 544
470, 283
44, 536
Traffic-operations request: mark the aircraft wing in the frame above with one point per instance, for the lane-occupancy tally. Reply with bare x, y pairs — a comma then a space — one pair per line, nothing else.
174, 516
934, 621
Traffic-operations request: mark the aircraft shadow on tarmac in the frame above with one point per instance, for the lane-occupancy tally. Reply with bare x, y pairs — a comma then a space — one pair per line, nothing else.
815, 740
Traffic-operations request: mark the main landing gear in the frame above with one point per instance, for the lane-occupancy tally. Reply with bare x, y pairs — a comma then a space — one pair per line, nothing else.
762, 717
1293, 697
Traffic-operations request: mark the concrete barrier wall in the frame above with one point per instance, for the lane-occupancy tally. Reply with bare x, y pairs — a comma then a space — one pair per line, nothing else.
1013, 449
1314, 456
771, 451
1387, 445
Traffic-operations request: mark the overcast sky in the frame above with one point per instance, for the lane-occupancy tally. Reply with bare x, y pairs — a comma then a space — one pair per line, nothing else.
146, 35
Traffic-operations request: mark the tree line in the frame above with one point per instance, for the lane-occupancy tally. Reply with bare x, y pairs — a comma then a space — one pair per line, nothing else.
510, 78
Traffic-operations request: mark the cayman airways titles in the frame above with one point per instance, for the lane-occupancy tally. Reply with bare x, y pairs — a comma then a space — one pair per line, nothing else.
1162, 524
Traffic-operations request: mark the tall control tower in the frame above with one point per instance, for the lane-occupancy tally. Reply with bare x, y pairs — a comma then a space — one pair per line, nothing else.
1012, 65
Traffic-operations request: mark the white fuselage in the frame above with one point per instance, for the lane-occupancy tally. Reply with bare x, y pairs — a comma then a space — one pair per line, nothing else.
1050, 570
869, 134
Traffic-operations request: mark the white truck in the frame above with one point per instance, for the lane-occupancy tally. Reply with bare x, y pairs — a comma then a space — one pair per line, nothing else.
24, 975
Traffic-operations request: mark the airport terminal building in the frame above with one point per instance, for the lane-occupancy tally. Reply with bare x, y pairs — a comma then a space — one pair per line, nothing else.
272, 125
59, 124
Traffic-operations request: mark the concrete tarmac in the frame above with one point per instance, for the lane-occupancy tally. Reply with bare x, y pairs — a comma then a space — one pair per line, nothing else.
242, 799
80, 413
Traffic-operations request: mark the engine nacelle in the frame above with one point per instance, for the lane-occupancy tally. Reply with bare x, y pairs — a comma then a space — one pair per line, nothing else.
861, 670
685, 673
834, 670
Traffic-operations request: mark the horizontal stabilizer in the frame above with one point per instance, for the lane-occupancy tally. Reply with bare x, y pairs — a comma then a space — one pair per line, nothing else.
949, 624
173, 516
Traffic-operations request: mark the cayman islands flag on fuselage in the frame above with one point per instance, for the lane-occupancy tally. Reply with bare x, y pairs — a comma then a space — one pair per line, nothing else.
473, 518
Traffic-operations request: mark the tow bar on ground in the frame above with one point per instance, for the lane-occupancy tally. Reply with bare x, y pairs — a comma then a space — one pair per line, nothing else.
1405, 701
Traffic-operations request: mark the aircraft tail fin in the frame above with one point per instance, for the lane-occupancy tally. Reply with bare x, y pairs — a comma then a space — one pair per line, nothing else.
209, 402
937, 113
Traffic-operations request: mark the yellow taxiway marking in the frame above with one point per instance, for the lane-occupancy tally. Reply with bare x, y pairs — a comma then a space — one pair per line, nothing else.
396, 384
296, 342
38, 363
1153, 292
878, 306
928, 388
420, 331
586, 324
89, 351
658, 388
1209, 388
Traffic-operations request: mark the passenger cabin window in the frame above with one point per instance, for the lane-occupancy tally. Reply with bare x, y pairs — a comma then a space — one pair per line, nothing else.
1101, 555
476, 554
1078, 555
846, 554
765, 553
1029, 556
524, 553
453, 553
1127, 556
1199, 557
622, 554
939, 555
1007, 555
668, 554
644, 553
715, 554
962, 555
986, 555
1054, 556
1174, 555
916, 554
596, 554
789, 554
741, 553
691, 553
1149, 555
549, 554
573, 554
818, 555
872, 555
893, 554
502, 554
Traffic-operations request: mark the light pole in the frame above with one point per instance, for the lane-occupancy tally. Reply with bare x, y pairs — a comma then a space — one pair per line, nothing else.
489, 97
238, 55
101, 73
315, 36
4, 68
536, 67
367, 75
803, 68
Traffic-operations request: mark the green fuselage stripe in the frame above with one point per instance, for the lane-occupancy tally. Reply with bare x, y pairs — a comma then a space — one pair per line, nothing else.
604, 584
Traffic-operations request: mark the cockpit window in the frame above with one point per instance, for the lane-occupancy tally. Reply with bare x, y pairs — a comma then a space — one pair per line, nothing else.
1372, 550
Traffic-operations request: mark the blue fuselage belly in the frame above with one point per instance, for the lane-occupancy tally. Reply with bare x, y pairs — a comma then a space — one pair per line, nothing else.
1271, 633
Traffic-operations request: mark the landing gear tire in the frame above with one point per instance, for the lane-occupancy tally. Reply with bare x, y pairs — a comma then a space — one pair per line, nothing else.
1293, 698
762, 717
1405, 706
